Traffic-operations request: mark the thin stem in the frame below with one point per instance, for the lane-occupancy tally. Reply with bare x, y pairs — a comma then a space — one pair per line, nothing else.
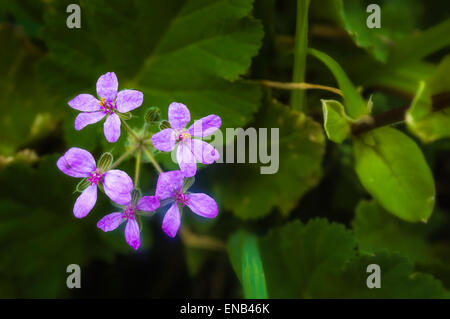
148, 142
129, 130
394, 116
299, 86
298, 98
124, 156
200, 241
138, 167
152, 159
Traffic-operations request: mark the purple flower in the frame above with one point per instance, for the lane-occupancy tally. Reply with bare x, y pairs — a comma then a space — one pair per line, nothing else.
170, 188
189, 149
109, 105
113, 220
77, 162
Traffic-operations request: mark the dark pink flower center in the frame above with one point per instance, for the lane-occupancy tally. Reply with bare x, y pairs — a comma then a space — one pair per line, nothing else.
95, 177
107, 107
128, 214
181, 198
185, 136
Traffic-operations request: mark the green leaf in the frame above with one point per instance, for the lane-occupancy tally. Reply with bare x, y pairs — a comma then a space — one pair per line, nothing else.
398, 18
245, 258
298, 258
355, 105
440, 82
189, 51
421, 44
376, 230
23, 104
39, 235
320, 260
398, 280
335, 121
301, 147
428, 125
393, 170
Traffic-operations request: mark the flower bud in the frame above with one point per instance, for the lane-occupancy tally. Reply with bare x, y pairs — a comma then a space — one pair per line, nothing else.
187, 183
135, 196
105, 162
153, 115
82, 185
164, 124
125, 116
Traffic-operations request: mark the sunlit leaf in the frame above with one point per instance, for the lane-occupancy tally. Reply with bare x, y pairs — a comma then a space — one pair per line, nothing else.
335, 122
393, 170
421, 119
246, 260
355, 106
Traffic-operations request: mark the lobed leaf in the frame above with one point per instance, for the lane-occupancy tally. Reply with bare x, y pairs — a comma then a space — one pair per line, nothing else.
300, 146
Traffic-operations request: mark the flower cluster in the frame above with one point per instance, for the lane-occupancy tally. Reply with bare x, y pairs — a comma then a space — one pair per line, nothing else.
172, 186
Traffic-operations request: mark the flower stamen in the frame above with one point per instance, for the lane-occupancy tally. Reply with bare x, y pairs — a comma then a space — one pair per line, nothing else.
181, 198
184, 136
107, 107
95, 177
128, 214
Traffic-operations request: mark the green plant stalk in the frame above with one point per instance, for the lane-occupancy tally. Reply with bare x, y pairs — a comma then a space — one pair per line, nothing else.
123, 157
298, 97
152, 159
129, 130
138, 167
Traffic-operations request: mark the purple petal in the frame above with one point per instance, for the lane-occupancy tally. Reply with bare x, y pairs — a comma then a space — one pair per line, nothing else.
111, 128
202, 205
84, 119
172, 220
205, 126
85, 103
186, 160
204, 152
148, 203
128, 100
132, 234
168, 182
179, 116
118, 186
85, 202
164, 140
77, 162
107, 86
110, 222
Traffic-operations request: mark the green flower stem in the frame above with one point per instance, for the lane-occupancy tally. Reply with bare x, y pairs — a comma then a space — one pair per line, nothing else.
138, 167
152, 159
298, 97
299, 86
129, 130
148, 142
397, 115
124, 156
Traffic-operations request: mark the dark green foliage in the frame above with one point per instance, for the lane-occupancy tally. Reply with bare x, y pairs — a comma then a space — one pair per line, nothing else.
353, 186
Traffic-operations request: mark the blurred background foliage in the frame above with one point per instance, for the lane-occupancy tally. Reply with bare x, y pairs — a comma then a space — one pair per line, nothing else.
308, 231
